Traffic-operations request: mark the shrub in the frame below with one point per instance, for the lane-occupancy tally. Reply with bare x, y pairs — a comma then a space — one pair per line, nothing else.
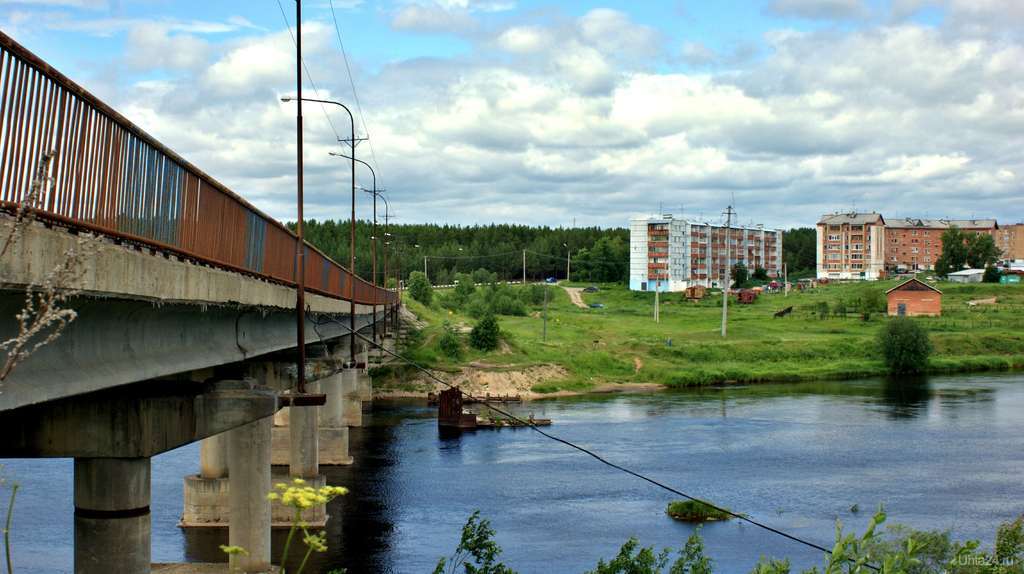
448, 343
485, 334
419, 288
839, 309
532, 294
905, 346
464, 289
505, 303
485, 277
991, 275
822, 309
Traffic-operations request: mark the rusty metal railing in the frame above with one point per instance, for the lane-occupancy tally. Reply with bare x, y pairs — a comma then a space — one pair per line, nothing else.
111, 177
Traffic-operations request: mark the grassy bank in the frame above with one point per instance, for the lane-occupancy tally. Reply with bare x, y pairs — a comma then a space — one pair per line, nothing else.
620, 343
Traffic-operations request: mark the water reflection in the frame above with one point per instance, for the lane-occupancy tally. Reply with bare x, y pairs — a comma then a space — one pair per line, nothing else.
906, 396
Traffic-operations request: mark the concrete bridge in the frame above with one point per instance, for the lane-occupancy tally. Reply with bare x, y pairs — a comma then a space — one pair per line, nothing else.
184, 330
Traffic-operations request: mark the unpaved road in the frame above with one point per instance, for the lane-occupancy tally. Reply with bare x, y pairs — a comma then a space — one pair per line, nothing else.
576, 296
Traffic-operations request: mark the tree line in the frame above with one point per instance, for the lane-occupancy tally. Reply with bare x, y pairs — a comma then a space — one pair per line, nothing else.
597, 254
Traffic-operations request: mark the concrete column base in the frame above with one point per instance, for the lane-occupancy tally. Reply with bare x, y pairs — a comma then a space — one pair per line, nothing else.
364, 386
112, 520
207, 503
351, 403
332, 445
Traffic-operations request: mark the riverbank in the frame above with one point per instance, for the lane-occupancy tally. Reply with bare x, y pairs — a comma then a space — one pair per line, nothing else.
618, 345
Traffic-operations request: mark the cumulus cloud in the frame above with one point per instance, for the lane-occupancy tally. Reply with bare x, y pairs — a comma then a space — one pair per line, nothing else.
432, 19
819, 9
586, 117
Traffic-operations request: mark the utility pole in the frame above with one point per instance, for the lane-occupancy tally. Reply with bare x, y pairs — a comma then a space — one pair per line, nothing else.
725, 290
785, 281
300, 246
657, 301
524, 267
568, 258
544, 335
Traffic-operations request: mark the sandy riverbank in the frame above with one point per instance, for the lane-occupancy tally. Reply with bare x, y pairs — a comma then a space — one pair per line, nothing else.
480, 379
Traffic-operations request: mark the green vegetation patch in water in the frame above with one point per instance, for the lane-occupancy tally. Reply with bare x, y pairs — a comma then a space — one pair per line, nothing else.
695, 511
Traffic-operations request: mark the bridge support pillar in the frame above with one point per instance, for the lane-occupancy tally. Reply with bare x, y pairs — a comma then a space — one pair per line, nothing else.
213, 456
304, 433
333, 430
351, 401
112, 521
249, 509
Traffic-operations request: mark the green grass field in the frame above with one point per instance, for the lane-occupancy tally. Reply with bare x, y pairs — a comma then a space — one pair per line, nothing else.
622, 344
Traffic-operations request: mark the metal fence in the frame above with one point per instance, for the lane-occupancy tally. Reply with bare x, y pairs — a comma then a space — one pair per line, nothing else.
111, 177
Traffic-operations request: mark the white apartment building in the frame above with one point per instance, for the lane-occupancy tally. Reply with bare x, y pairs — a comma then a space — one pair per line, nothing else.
671, 254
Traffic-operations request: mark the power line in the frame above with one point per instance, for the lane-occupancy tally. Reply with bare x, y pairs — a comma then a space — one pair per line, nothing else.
309, 76
449, 257
355, 94
589, 259
584, 450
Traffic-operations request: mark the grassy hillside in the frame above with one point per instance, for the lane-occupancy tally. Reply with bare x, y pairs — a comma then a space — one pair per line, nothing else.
621, 343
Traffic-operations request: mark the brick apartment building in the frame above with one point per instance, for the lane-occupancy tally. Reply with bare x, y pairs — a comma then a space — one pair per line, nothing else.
1010, 239
913, 244
851, 246
867, 246
671, 254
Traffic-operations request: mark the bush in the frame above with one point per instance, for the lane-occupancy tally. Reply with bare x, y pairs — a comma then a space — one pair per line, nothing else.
991, 275
464, 288
485, 277
905, 346
839, 309
505, 303
485, 334
532, 294
448, 343
419, 288
822, 310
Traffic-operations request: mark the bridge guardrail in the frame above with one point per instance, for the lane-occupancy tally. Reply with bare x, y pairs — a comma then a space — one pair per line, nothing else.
111, 177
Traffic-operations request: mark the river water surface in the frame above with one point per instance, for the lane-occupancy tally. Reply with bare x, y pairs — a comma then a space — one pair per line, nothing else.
943, 454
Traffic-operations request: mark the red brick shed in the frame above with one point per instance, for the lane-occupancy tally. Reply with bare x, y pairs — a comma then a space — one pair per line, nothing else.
914, 297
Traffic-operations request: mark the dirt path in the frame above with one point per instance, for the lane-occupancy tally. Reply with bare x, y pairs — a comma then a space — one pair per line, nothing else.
576, 295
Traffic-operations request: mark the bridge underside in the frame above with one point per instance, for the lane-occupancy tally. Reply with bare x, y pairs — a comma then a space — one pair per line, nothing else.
143, 315
118, 342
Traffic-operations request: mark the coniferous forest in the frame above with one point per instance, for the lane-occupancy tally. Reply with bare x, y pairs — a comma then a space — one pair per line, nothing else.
598, 254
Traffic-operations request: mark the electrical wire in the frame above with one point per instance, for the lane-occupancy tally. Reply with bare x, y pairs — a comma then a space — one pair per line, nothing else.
355, 94
588, 260
585, 450
309, 76
447, 257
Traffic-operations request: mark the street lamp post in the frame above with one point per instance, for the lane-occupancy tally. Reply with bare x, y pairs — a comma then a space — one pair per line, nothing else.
373, 233
352, 233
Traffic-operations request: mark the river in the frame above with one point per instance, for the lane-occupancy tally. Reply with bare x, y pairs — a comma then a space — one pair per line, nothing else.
941, 454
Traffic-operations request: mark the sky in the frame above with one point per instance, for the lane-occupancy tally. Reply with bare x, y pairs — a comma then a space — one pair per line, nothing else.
573, 113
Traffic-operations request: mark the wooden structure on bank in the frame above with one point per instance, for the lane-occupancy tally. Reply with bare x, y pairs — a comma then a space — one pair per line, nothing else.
449, 411
913, 298
451, 416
